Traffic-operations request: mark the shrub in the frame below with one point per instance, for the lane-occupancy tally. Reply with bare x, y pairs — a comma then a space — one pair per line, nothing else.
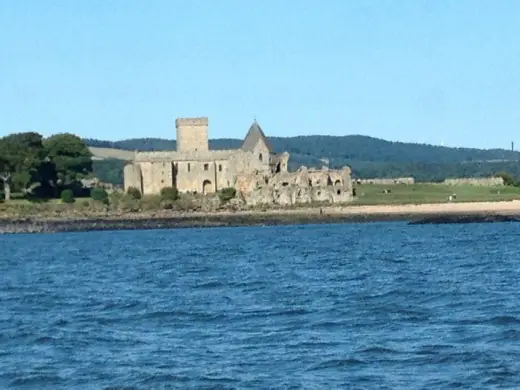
170, 194
114, 199
67, 196
134, 192
99, 195
226, 194
151, 202
509, 180
128, 203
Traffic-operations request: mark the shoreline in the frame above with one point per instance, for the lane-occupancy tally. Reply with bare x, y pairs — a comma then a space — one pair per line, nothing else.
474, 212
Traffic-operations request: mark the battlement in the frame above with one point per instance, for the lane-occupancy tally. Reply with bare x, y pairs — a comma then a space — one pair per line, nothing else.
201, 121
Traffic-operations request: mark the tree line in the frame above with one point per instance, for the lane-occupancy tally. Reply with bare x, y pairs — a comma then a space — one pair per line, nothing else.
341, 149
368, 157
34, 166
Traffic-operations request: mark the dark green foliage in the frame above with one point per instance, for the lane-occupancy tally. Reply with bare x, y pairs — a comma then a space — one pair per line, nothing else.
99, 195
346, 148
169, 194
134, 193
109, 171
71, 157
369, 157
509, 180
226, 194
154, 144
41, 168
67, 196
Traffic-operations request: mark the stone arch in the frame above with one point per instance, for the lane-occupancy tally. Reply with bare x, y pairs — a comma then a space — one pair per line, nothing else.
337, 183
206, 187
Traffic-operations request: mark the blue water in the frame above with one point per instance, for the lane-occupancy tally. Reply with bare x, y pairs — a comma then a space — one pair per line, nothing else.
359, 306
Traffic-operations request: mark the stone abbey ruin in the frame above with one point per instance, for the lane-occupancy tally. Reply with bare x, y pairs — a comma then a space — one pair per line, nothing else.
259, 175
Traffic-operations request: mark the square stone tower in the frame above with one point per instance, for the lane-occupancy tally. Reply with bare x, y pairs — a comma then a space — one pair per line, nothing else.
192, 134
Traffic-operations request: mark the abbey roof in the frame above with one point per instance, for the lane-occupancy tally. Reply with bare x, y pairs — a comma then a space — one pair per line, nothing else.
254, 134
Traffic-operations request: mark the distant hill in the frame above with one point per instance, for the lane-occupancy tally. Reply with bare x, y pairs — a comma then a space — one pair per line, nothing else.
369, 157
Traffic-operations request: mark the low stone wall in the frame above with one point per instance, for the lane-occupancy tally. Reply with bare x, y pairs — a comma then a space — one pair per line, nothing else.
483, 182
390, 181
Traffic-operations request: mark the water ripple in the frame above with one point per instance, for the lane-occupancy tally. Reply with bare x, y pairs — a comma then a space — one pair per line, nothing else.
381, 305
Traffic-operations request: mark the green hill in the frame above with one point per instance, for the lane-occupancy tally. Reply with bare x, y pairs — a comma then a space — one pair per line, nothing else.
369, 157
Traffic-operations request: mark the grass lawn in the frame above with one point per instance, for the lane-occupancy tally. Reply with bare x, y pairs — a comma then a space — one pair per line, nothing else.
373, 194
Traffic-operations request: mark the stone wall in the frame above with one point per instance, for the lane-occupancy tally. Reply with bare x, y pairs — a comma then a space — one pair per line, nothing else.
196, 176
156, 176
132, 177
389, 181
301, 187
192, 134
484, 181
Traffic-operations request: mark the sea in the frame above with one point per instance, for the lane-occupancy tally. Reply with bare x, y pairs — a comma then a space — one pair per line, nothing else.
339, 306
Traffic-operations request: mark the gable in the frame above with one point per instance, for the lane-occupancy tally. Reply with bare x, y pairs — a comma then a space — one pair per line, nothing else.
255, 135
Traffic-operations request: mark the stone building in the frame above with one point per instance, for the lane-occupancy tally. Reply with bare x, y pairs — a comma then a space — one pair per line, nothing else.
259, 175
193, 167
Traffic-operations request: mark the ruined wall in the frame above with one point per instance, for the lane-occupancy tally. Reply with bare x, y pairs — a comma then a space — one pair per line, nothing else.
390, 181
301, 187
192, 134
484, 181
279, 163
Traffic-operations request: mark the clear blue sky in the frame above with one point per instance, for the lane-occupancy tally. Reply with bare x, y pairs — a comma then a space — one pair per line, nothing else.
408, 70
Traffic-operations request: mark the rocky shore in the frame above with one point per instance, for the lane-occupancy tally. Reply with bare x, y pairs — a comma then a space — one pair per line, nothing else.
96, 224
414, 214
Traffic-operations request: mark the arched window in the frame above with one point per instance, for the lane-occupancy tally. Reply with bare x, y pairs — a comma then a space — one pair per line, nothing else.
220, 167
260, 157
189, 167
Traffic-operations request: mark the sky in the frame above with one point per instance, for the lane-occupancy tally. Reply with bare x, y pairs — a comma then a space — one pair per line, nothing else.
427, 71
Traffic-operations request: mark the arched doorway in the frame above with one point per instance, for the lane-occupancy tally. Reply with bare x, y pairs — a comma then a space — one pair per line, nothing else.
206, 187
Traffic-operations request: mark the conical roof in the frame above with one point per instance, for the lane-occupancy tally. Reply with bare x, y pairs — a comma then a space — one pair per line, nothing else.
254, 134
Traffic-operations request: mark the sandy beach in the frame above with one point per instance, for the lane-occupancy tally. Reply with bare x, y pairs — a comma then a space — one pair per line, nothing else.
505, 207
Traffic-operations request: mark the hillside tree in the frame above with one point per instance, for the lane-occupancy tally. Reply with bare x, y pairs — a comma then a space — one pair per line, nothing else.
71, 157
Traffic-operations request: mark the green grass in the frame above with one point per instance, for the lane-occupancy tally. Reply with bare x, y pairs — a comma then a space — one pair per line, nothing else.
372, 194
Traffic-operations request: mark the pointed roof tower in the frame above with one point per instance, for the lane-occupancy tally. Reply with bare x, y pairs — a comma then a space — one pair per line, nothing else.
254, 134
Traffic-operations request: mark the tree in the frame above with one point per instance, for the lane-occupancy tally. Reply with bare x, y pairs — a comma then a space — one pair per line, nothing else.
24, 154
509, 180
23, 162
71, 157
6, 169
